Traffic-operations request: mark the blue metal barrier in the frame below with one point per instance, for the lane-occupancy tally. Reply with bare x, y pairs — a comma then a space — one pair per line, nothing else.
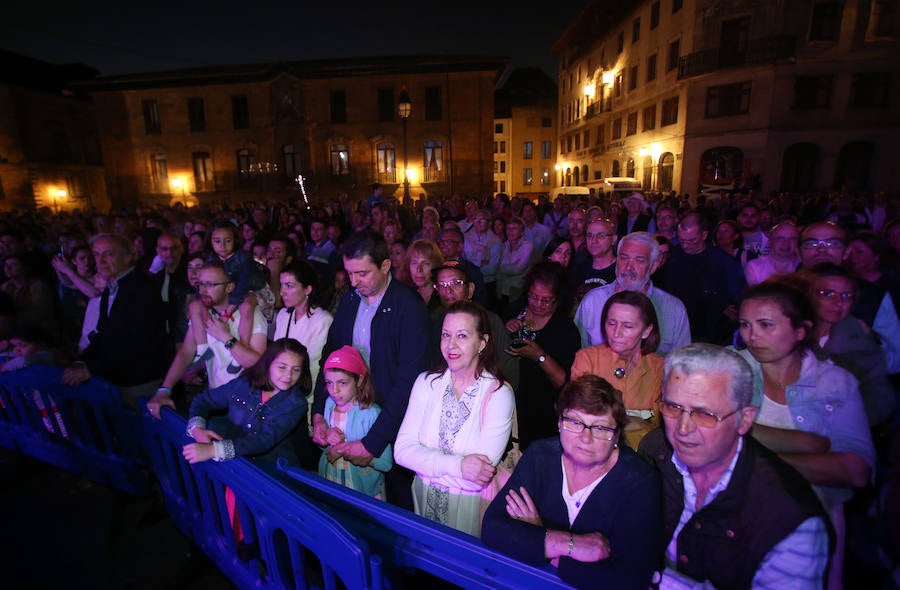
404, 540
297, 544
83, 429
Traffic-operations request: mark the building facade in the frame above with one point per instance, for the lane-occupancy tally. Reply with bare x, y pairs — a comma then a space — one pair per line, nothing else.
703, 95
50, 152
525, 134
248, 132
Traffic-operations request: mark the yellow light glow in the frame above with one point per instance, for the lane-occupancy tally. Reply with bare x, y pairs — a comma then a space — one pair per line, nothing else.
176, 182
608, 77
589, 90
642, 152
558, 167
62, 193
412, 175
655, 150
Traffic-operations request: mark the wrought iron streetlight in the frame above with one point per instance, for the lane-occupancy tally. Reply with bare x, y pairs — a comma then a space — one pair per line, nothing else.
404, 108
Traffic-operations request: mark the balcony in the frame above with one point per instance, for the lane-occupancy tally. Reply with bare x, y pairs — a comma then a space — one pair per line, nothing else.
592, 110
764, 50
433, 174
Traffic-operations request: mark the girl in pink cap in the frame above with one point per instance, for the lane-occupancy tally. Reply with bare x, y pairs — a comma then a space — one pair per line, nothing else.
350, 411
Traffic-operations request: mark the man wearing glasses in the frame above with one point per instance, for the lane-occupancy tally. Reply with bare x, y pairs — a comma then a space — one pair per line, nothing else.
825, 241
637, 258
734, 514
230, 355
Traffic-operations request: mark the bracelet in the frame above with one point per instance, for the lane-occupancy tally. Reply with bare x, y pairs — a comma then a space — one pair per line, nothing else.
571, 544
166, 389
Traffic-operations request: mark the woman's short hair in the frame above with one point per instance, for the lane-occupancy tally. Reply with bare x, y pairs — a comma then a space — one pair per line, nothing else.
592, 395
427, 248
646, 310
258, 374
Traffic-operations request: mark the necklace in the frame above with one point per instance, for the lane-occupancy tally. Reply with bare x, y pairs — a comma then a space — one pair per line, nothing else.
581, 496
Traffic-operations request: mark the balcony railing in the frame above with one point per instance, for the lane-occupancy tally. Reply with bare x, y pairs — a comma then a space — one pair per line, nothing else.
592, 110
759, 51
435, 175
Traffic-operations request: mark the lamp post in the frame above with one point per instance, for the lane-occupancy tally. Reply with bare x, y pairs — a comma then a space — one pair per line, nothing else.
404, 107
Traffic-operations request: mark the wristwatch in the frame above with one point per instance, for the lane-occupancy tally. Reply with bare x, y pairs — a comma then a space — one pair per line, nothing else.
541, 359
230, 343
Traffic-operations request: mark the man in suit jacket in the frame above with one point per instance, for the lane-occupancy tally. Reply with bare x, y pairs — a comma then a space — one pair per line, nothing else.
127, 333
388, 323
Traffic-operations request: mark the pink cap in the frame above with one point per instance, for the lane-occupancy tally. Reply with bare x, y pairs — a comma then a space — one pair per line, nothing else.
347, 359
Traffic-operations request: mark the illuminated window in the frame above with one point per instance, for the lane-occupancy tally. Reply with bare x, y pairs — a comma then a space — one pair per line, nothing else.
340, 160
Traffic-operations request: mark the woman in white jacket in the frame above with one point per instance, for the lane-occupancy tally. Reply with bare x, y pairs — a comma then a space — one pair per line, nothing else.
457, 424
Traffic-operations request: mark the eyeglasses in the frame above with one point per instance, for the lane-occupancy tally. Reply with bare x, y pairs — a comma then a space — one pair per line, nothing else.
598, 432
598, 236
814, 244
449, 284
540, 300
210, 285
831, 294
702, 418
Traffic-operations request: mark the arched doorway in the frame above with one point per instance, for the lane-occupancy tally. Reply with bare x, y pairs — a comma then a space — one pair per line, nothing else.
666, 172
629, 168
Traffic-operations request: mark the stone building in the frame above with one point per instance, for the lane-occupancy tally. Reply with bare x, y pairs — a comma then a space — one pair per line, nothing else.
701, 95
49, 144
246, 132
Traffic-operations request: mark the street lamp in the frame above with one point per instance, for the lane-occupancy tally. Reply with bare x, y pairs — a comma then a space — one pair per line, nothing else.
404, 107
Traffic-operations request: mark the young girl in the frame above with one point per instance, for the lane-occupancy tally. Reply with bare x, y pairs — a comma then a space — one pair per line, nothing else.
250, 287
349, 413
265, 404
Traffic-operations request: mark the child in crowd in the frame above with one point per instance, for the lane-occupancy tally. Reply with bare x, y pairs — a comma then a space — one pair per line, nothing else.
349, 413
251, 288
28, 345
264, 405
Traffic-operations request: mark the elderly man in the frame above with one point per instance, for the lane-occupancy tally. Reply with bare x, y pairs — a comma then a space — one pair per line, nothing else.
451, 246
578, 220
124, 326
735, 514
230, 355
388, 323
825, 241
637, 259
707, 280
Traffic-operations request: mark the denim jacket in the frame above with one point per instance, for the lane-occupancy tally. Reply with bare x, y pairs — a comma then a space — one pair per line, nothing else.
256, 430
825, 400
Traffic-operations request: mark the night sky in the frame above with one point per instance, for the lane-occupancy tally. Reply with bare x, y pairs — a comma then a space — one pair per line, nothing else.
130, 37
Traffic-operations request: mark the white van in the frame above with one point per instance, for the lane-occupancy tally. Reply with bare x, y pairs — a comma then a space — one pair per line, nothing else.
577, 191
617, 184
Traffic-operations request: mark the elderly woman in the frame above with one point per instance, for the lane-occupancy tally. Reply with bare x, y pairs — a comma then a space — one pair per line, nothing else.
782, 257
423, 256
581, 501
628, 359
457, 424
810, 412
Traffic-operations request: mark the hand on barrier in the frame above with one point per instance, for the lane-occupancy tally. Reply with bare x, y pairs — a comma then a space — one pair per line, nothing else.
76, 374
198, 452
204, 435
162, 398
477, 469
520, 506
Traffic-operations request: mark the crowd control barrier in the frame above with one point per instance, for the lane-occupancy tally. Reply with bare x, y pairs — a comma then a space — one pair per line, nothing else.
285, 540
83, 429
406, 541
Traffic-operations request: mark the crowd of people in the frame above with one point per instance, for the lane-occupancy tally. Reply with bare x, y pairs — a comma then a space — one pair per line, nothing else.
636, 389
